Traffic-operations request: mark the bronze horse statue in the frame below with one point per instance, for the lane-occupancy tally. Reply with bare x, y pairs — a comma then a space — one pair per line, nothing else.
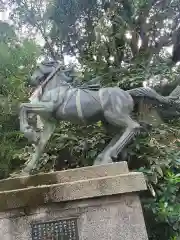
56, 99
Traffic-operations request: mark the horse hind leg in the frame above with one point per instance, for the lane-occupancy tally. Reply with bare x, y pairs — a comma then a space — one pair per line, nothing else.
124, 139
99, 158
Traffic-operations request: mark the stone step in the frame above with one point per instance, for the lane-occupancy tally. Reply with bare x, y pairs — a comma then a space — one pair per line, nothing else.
74, 190
69, 175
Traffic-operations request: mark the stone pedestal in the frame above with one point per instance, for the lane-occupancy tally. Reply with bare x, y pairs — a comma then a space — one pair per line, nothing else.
91, 203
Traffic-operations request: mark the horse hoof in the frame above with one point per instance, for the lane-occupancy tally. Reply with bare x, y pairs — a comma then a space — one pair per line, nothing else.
107, 159
31, 135
27, 169
97, 161
19, 174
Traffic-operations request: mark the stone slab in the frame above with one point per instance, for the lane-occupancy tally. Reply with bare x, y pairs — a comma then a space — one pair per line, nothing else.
68, 191
116, 217
70, 175
102, 198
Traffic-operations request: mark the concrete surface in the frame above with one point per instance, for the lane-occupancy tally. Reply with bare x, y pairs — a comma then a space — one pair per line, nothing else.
104, 199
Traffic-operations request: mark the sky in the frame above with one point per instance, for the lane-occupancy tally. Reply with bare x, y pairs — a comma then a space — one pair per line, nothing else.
3, 15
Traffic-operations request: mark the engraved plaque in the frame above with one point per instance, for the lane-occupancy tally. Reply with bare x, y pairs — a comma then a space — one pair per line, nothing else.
55, 230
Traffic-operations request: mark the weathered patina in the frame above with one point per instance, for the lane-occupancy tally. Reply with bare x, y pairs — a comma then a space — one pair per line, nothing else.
58, 99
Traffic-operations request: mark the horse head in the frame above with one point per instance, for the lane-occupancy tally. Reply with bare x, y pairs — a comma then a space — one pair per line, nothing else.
45, 68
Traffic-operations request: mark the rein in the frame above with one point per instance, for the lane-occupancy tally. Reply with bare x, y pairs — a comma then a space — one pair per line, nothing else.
50, 76
39, 90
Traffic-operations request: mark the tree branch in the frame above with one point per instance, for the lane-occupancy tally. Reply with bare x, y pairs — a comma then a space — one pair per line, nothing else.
33, 21
143, 27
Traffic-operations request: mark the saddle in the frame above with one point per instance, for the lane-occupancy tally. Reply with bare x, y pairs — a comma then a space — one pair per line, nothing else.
93, 87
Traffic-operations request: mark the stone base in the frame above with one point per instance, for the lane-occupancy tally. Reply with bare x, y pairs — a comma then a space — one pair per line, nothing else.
104, 201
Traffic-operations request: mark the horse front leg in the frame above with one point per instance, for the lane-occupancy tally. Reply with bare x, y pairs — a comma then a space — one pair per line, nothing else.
44, 110
40, 108
39, 148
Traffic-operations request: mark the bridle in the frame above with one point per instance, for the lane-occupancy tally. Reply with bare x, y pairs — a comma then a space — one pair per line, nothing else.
43, 84
50, 76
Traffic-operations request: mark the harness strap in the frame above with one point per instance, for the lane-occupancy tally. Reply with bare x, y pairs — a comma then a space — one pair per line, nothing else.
56, 108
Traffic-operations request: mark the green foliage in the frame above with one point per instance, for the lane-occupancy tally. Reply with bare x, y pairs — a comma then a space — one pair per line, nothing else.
95, 32
158, 157
16, 61
7, 33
